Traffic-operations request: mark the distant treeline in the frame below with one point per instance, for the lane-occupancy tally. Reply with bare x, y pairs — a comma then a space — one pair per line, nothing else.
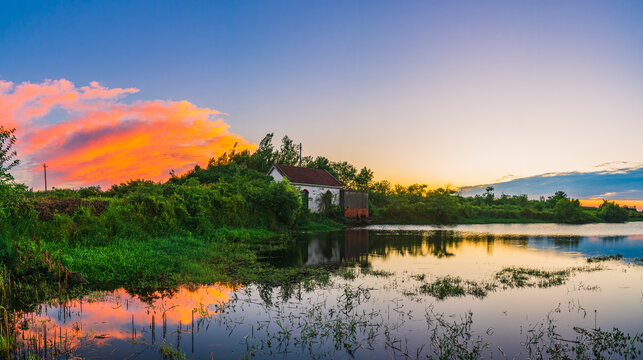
418, 204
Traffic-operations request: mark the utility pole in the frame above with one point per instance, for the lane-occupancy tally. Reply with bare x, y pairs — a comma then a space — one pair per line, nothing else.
299, 154
44, 167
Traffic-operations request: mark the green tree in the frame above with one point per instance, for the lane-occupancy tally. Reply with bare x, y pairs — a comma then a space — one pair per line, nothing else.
612, 212
319, 162
553, 200
288, 152
443, 206
7, 156
364, 179
265, 156
345, 173
382, 187
569, 211
489, 195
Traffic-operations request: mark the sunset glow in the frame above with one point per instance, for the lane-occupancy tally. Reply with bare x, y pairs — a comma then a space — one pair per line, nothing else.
86, 317
89, 136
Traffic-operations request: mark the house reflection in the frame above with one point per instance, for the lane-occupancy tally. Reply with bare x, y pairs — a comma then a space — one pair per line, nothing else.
324, 249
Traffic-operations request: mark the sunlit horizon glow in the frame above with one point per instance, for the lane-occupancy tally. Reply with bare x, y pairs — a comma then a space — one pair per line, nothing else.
88, 136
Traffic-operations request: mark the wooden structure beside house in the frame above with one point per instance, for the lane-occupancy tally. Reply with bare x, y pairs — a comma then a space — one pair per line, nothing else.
314, 184
355, 203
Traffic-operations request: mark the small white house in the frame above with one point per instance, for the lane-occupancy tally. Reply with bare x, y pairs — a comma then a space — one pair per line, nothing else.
313, 183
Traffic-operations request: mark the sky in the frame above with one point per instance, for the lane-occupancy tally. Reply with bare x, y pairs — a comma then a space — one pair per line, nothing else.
611, 181
457, 92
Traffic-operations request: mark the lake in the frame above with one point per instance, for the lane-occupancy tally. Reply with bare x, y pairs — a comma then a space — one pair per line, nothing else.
491, 291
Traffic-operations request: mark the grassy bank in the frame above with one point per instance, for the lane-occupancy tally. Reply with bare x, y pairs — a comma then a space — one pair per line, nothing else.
147, 236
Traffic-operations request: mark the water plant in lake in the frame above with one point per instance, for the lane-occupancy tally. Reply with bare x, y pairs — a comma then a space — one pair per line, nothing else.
169, 352
517, 277
353, 327
450, 286
509, 277
543, 340
604, 258
454, 340
366, 269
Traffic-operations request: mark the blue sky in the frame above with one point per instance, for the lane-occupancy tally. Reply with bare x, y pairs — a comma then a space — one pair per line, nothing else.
459, 92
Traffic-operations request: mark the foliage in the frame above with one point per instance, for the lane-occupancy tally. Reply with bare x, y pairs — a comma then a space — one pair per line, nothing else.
7, 156
611, 212
604, 258
570, 211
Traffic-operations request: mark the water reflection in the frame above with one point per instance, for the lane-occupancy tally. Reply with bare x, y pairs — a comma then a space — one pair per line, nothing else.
121, 325
106, 318
361, 245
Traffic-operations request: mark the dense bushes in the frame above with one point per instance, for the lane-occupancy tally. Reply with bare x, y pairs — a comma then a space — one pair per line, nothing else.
611, 212
139, 209
417, 204
570, 211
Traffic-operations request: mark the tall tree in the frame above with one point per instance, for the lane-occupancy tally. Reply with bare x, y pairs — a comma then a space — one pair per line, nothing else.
265, 155
288, 153
345, 173
7, 156
364, 179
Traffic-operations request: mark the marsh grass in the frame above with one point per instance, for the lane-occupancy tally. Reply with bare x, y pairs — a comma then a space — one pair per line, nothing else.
509, 277
454, 339
169, 352
352, 327
376, 273
604, 258
451, 286
518, 277
347, 273
543, 340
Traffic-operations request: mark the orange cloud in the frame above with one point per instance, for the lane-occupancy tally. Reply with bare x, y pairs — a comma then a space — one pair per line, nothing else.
88, 135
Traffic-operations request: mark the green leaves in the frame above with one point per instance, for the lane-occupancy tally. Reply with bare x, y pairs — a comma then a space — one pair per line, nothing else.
7, 156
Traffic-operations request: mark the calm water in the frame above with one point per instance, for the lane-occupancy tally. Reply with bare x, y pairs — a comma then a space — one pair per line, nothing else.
364, 315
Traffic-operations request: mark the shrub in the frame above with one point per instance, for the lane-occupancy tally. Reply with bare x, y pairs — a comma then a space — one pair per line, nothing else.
612, 212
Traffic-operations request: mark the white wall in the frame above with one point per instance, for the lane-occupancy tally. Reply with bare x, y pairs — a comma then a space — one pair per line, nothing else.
315, 193
276, 175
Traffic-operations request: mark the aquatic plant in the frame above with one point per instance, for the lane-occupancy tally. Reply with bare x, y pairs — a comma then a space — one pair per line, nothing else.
169, 352
604, 258
454, 339
516, 277
347, 273
376, 273
544, 341
451, 286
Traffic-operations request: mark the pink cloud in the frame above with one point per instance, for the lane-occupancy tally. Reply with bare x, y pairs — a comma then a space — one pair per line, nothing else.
103, 140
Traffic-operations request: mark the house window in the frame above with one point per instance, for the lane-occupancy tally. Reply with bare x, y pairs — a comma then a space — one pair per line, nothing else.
305, 197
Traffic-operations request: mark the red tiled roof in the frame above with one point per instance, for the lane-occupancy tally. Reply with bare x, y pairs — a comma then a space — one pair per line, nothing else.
308, 176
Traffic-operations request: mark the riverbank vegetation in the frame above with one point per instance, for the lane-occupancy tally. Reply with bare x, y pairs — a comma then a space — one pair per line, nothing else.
211, 224
198, 223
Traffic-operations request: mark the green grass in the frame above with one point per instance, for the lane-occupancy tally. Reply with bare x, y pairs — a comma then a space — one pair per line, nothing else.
321, 224
228, 256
